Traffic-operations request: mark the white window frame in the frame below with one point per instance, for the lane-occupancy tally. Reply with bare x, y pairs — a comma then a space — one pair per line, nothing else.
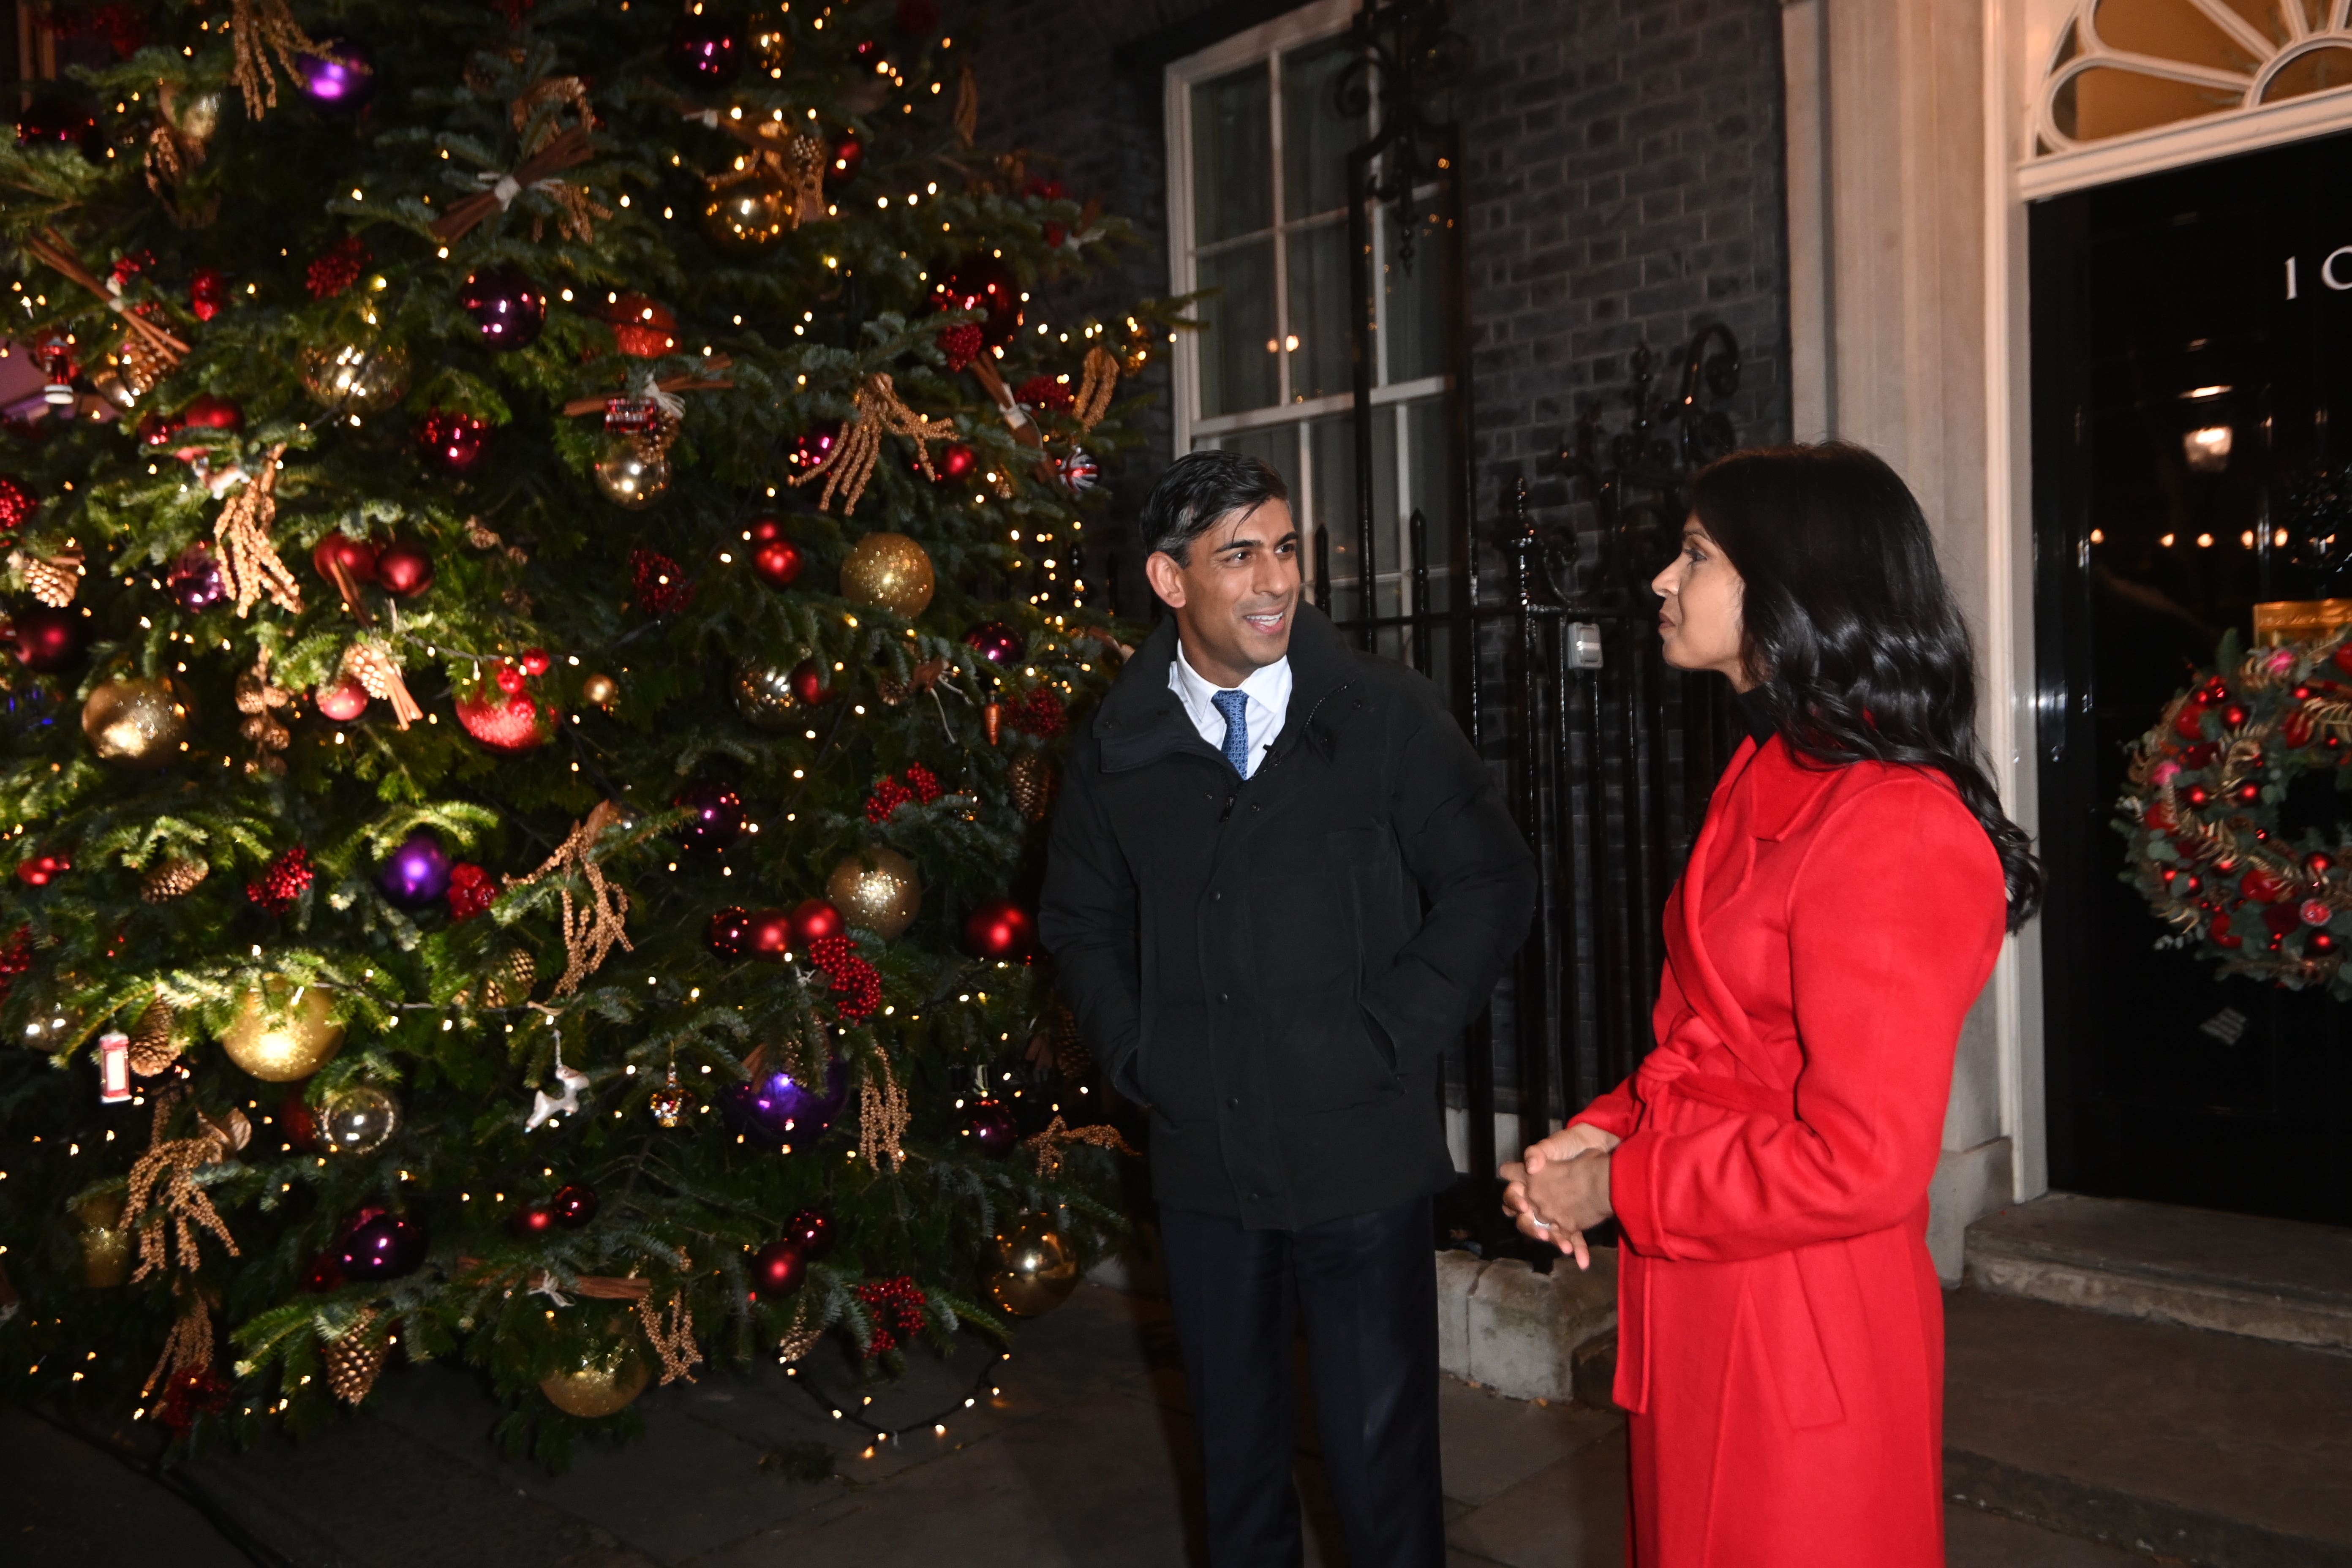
1309, 25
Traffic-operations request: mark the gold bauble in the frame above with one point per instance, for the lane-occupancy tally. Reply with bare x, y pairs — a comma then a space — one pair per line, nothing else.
877, 889
1036, 1267
748, 211
889, 571
138, 723
772, 43
764, 693
360, 1120
108, 1245
356, 377
604, 1385
630, 473
279, 1042
600, 690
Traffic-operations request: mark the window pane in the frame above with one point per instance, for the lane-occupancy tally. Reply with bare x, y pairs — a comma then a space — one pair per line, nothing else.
1314, 137
1414, 319
1332, 442
1425, 490
1237, 360
1232, 155
1318, 311
1278, 445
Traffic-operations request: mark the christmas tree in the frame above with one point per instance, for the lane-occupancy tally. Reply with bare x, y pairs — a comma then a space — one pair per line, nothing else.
545, 589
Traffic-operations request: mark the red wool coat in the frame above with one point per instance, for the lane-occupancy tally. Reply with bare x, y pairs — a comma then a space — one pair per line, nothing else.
1781, 1332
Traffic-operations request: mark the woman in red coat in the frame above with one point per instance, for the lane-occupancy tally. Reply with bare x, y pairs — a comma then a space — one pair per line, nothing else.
1780, 1324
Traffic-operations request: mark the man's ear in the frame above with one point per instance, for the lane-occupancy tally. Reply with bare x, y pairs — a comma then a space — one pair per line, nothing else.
1166, 577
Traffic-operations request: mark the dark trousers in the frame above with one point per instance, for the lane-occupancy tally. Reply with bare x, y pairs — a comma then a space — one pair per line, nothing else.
1366, 1286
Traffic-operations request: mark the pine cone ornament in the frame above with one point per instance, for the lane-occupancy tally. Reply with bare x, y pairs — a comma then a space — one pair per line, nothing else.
353, 1360
510, 987
1071, 1058
152, 1048
172, 880
55, 581
1033, 782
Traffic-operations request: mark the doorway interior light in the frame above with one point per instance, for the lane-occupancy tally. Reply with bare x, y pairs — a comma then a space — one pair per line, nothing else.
2205, 392
2207, 449
2166, 541
2204, 542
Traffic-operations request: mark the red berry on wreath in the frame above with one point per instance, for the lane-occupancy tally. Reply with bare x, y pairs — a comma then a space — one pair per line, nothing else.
2250, 793
535, 661
471, 891
16, 504
2235, 716
2317, 862
510, 680
2320, 941
2195, 794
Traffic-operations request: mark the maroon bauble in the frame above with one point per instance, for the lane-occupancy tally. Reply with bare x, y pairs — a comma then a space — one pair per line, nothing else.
300, 1122
728, 932
342, 701
195, 580
983, 283
991, 1125
355, 556
848, 157
706, 47
54, 120
380, 1246
777, 561
814, 918
508, 308
534, 1218
811, 447
452, 442
404, 568
996, 642
203, 411
778, 1269
714, 816
956, 462
771, 935
808, 683
574, 1203
998, 928
812, 1229
49, 640
16, 503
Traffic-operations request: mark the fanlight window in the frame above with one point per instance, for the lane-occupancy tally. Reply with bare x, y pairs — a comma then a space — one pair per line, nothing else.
2123, 67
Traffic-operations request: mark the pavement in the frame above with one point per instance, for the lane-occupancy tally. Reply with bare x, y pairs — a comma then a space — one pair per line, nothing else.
1084, 1457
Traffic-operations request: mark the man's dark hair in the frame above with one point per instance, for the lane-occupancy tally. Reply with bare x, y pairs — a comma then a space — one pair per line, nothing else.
1199, 488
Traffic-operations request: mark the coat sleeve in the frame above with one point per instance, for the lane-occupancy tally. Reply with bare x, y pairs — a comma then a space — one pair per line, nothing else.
1088, 919
1614, 1112
1895, 919
1477, 880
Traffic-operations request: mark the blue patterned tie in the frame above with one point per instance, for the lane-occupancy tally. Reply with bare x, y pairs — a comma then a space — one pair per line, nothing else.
1234, 706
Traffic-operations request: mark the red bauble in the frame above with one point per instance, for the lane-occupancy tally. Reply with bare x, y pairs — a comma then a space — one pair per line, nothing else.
2282, 918
957, 461
983, 283
2235, 716
2317, 862
508, 308
355, 556
641, 329
997, 642
574, 1203
778, 1269
452, 442
343, 702
49, 639
208, 292
771, 935
998, 928
535, 661
777, 561
510, 680
16, 504
814, 918
728, 932
533, 1219
2260, 885
808, 683
505, 723
812, 1229
2320, 941
849, 156
404, 568
2189, 722
203, 412
42, 869
2344, 659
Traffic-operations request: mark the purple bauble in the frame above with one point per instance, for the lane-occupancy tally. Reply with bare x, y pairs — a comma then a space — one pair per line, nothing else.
343, 77
989, 1124
194, 579
417, 873
997, 643
507, 307
779, 1108
714, 816
382, 1247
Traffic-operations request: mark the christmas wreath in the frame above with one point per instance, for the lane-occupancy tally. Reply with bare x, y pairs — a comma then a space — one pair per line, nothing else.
2203, 810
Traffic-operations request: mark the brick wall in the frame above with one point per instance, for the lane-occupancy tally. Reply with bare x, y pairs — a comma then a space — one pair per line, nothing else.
1624, 187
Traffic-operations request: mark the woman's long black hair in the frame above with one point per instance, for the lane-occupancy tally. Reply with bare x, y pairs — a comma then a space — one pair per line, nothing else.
1850, 628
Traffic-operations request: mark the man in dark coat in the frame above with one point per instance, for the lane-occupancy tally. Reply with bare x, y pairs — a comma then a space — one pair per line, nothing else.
1280, 881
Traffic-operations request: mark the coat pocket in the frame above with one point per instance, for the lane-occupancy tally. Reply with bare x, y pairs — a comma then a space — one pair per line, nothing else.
1790, 1338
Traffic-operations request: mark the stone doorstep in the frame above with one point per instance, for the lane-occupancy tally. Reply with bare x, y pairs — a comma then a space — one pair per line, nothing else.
2239, 1274
1502, 1325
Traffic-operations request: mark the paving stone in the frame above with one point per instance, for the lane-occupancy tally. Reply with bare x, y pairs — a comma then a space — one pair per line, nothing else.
1490, 1444
2241, 1274
1568, 1515
1975, 1539
2219, 1450
64, 1504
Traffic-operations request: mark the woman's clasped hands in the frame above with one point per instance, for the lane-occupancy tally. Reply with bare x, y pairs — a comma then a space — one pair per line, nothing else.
1560, 1189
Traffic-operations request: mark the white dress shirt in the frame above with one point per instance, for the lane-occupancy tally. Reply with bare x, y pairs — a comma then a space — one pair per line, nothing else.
1268, 689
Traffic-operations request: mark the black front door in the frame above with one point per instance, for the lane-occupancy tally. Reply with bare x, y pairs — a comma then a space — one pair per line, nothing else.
2190, 336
